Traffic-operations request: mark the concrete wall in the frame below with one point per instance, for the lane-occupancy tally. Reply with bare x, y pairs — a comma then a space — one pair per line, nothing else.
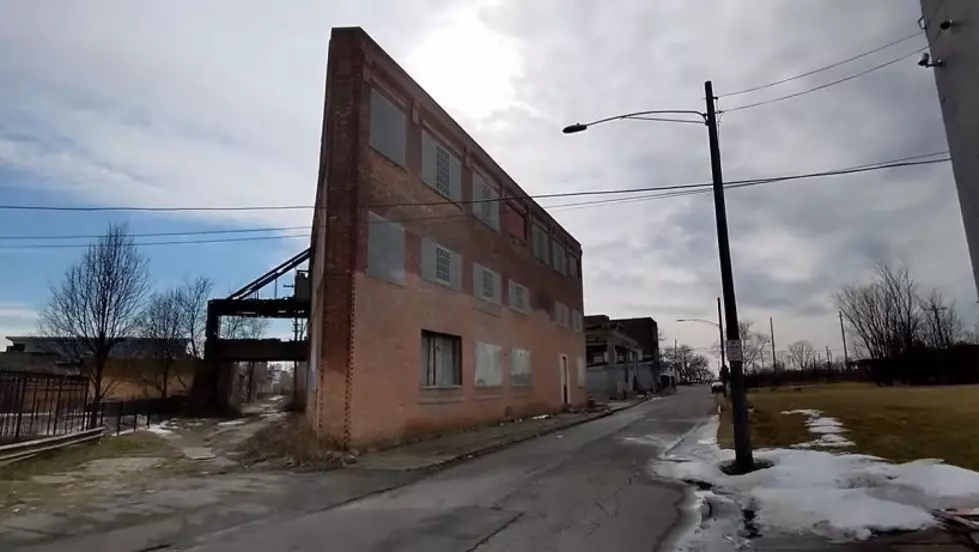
375, 287
958, 88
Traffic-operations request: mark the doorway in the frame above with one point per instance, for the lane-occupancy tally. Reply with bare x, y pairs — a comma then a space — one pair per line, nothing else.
565, 381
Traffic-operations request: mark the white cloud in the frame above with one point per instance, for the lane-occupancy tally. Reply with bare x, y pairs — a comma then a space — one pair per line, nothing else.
220, 103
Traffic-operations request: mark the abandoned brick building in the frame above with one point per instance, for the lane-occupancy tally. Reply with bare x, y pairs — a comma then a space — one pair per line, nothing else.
443, 296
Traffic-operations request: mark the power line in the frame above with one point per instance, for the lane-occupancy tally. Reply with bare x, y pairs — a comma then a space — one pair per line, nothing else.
157, 234
827, 85
824, 68
898, 163
673, 191
141, 244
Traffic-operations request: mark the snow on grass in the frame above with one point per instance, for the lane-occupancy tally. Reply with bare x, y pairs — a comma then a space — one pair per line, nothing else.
838, 496
239, 421
160, 429
828, 431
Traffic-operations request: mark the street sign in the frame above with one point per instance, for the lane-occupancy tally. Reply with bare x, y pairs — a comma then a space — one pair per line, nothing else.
733, 350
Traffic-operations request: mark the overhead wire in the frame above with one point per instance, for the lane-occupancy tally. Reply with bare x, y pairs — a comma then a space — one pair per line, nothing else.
909, 161
823, 68
826, 85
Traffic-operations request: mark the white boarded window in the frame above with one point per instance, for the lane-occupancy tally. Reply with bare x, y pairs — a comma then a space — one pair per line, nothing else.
519, 367
518, 297
487, 284
560, 313
488, 366
441, 360
577, 321
441, 265
385, 249
580, 375
388, 132
486, 202
440, 168
540, 243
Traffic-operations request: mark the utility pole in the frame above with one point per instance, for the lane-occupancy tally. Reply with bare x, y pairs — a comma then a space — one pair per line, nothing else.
846, 356
720, 328
771, 327
743, 461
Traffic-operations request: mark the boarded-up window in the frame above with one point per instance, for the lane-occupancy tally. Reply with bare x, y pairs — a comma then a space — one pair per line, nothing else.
440, 168
514, 221
441, 265
559, 259
385, 249
581, 375
488, 365
577, 321
519, 367
441, 360
560, 313
487, 284
388, 132
540, 243
486, 202
518, 297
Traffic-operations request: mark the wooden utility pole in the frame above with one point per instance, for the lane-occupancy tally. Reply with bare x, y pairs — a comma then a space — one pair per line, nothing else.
846, 356
743, 459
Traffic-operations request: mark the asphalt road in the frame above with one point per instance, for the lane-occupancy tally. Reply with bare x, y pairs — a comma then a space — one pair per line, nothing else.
584, 488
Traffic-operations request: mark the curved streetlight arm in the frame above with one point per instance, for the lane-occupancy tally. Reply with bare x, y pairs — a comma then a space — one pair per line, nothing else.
715, 324
639, 115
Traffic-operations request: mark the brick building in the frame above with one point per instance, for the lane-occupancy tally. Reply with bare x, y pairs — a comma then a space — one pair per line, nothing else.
443, 296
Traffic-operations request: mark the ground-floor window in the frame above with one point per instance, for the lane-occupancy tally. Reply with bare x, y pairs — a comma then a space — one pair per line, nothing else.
441, 360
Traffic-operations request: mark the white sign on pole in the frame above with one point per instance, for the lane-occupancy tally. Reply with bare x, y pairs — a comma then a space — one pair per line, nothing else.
733, 349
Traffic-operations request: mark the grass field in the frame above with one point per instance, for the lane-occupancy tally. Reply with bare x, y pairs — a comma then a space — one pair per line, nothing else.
896, 423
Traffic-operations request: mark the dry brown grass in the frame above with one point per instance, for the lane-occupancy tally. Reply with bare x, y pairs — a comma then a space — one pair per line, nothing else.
289, 444
897, 423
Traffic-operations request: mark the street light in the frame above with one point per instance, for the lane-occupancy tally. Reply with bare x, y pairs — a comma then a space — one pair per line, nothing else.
719, 324
743, 462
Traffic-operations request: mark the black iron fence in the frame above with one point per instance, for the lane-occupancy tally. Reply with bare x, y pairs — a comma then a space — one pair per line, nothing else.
37, 405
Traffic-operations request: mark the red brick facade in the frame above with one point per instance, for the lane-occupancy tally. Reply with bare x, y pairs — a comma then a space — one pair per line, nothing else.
365, 331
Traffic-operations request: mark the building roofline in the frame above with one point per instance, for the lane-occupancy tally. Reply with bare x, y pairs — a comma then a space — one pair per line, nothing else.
420, 93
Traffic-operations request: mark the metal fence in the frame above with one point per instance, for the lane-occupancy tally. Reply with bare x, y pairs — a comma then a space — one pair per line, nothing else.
36, 405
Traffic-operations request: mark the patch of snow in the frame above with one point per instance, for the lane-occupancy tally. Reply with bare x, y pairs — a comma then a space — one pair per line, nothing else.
541, 417
828, 430
161, 429
231, 423
838, 496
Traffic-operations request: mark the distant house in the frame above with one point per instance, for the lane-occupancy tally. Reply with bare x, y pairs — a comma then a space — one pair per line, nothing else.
622, 356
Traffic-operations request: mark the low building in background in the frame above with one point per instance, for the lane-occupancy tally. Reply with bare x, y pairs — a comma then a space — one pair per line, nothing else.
622, 357
443, 295
133, 370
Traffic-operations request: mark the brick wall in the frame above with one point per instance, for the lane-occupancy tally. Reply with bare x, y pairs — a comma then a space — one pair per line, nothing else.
366, 330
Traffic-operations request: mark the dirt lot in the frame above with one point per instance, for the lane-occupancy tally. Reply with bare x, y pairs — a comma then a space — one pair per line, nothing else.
897, 423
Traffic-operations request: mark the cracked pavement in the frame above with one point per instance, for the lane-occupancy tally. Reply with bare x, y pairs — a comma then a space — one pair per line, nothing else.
583, 488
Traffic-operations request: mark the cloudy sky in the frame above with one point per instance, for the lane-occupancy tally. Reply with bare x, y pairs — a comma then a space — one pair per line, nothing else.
218, 103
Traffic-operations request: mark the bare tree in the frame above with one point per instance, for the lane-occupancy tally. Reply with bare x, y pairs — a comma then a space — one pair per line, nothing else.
942, 326
97, 305
243, 327
192, 299
162, 325
802, 354
885, 315
754, 344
